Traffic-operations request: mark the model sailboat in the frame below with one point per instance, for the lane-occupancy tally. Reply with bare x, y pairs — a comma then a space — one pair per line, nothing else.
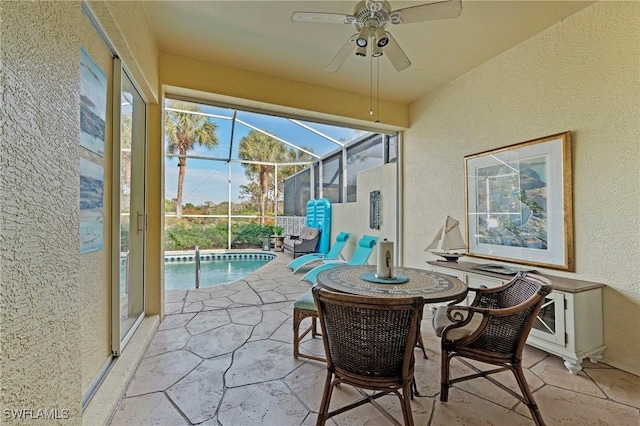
448, 238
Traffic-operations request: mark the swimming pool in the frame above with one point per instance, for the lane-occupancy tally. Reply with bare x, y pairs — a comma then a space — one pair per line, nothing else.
215, 268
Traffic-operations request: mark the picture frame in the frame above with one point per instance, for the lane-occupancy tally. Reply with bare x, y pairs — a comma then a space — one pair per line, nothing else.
519, 203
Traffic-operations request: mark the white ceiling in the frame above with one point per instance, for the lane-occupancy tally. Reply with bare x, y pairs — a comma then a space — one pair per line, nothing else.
259, 36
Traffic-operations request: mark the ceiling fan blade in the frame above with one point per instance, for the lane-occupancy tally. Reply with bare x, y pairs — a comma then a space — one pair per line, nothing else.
321, 18
342, 54
447, 9
396, 55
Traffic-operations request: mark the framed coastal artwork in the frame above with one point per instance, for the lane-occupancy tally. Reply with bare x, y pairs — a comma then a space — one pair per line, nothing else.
93, 104
91, 206
519, 203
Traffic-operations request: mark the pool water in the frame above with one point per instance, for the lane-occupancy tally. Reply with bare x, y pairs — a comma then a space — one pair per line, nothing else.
179, 276
215, 268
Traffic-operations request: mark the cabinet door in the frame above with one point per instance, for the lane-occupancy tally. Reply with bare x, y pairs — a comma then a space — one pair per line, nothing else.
550, 323
448, 271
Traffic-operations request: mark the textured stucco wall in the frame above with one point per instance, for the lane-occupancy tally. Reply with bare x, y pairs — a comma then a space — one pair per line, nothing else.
582, 75
354, 217
126, 25
40, 288
155, 214
54, 302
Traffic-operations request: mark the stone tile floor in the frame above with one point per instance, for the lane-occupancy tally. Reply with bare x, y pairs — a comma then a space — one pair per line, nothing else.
223, 356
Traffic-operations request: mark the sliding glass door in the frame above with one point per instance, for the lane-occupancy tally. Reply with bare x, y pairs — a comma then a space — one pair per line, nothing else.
129, 209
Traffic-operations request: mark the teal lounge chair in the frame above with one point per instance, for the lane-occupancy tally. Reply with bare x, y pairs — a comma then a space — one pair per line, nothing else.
333, 254
360, 257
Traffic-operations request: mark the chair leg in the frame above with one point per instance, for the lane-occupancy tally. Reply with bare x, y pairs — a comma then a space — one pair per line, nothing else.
323, 411
528, 395
420, 344
406, 403
414, 387
298, 316
419, 341
296, 332
445, 361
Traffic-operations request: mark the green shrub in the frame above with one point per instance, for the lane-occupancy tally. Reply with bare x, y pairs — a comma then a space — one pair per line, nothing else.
186, 235
248, 234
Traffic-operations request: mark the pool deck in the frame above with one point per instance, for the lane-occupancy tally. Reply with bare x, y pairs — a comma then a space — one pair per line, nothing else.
223, 356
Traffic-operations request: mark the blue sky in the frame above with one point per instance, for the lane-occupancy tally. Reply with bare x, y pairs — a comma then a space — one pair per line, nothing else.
207, 180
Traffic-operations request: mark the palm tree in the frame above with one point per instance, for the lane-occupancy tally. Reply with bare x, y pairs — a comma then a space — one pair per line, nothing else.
184, 130
257, 146
295, 156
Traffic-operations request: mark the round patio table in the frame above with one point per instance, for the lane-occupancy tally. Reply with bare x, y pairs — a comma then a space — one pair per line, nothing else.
431, 286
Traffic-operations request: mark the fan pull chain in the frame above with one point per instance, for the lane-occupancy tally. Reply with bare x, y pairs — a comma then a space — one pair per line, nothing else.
371, 85
378, 90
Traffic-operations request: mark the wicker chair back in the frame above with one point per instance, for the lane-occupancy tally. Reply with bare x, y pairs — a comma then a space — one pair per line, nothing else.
369, 344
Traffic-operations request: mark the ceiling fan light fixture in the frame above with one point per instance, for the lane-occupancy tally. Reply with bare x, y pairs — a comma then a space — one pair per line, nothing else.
382, 38
363, 37
370, 18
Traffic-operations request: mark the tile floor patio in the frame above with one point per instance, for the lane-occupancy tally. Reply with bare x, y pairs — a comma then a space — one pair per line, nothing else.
223, 356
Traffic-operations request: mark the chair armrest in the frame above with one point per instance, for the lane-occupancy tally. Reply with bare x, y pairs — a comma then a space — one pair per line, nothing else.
455, 322
462, 315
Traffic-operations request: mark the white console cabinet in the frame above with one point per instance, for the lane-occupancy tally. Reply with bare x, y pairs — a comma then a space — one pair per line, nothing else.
570, 322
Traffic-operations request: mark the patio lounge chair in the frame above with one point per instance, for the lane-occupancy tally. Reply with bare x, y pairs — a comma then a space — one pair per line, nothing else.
360, 257
333, 254
302, 244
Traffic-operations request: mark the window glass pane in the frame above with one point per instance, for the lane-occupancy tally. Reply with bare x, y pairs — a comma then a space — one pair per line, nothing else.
344, 135
393, 148
132, 158
298, 192
331, 179
291, 135
364, 156
204, 181
222, 137
219, 120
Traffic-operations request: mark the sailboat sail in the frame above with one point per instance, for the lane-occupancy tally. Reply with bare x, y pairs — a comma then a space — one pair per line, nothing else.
448, 237
452, 237
436, 241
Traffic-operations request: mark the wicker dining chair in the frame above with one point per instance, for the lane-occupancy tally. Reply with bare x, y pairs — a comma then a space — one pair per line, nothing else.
304, 307
493, 330
369, 344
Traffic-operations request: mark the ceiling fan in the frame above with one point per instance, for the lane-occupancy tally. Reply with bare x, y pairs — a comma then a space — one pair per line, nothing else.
370, 18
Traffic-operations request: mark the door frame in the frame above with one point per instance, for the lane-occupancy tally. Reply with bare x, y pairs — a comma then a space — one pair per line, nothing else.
118, 344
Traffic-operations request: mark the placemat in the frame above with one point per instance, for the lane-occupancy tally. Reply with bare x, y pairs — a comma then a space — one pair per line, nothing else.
372, 277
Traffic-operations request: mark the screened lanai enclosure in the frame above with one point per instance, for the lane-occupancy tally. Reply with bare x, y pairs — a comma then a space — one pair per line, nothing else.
233, 176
